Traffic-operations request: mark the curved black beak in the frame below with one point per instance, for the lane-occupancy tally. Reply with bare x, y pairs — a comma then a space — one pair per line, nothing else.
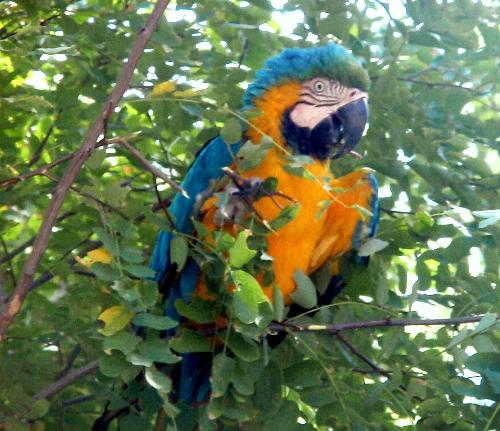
353, 118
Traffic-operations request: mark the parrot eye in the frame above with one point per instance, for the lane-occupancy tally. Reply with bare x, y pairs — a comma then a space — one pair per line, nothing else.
319, 86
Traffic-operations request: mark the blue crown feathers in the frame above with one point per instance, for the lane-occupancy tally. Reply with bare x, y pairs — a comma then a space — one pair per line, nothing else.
300, 64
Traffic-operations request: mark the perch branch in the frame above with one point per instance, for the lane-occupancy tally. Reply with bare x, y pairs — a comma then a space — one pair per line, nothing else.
67, 380
338, 327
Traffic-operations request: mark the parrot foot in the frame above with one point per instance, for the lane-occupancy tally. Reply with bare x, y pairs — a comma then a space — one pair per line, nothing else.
243, 193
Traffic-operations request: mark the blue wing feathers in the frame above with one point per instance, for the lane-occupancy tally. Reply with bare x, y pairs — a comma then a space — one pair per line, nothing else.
207, 166
360, 233
194, 371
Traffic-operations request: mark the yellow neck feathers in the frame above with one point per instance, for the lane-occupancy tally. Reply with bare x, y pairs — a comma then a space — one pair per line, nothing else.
271, 107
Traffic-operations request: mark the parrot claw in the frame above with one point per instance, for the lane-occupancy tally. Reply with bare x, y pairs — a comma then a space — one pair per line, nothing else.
243, 193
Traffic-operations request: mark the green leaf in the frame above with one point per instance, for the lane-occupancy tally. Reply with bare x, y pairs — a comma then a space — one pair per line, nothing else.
231, 132
105, 272
158, 380
372, 246
96, 159
197, 310
113, 365
107, 240
139, 271
154, 321
278, 304
125, 342
287, 214
480, 362
139, 360
382, 292
432, 405
250, 155
179, 251
222, 373
133, 422
68, 50
488, 217
285, 419
305, 294
245, 349
247, 297
131, 254
242, 382
489, 320
201, 229
158, 351
239, 253
190, 341
303, 374
459, 338
39, 409
147, 294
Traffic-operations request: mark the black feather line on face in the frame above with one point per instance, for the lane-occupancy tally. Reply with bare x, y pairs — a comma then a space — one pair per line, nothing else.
320, 143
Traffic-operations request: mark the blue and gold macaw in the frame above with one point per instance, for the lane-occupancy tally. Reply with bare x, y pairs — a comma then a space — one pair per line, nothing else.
310, 102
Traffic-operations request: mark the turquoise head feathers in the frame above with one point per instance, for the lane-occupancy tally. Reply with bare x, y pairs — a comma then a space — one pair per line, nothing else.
300, 64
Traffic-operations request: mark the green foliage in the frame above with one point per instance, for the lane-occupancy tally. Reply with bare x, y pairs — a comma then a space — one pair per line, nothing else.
432, 142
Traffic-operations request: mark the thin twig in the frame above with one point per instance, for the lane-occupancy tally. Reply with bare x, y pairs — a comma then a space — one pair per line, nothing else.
92, 198
163, 206
337, 327
49, 275
77, 400
392, 212
361, 355
67, 380
3, 294
150, 167
11, 267
9, 311
244, 51
43, 169
70, 361
39, 150
438, 84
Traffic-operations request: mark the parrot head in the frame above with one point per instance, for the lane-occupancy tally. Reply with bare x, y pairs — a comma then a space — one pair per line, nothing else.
314, 100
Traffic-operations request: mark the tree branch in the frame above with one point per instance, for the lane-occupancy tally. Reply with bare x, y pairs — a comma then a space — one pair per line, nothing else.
13, 306
45, 168
49, 275
392, 212
11, 268
338, 327
150, 167
39, 150
91, 197
78, 400
70, 361
354, 350
67, 380
438, 84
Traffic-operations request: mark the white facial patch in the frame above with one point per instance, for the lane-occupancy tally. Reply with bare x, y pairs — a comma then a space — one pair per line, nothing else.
321, 97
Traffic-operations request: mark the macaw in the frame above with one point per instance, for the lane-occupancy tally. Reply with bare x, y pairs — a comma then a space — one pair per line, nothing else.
309, 102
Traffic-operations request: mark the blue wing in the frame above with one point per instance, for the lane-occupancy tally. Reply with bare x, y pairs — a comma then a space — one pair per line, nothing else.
206, 167
366, 230
192, 378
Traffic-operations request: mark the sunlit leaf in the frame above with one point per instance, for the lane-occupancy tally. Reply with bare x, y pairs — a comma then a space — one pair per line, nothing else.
115, 318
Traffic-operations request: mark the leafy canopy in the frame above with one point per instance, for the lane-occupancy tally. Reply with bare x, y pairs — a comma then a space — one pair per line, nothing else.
432, 142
